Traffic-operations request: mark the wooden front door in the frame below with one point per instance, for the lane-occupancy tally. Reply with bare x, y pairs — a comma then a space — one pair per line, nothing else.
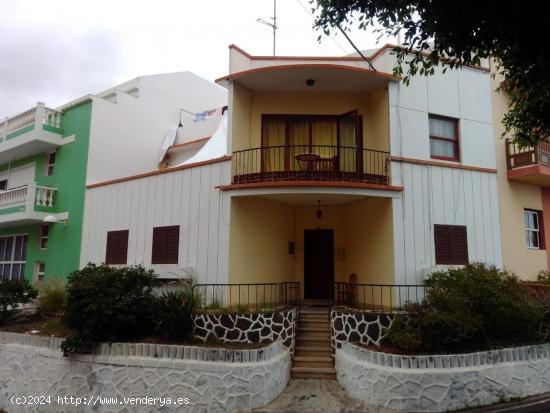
318, 263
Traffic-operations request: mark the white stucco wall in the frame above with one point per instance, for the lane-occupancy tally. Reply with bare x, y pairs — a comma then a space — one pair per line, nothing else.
130, 120
443, 383
34, 366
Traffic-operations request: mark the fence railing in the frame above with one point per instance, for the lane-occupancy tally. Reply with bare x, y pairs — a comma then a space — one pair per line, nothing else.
39, 115
28, 195
245, 297
517, 157
378, 297
311, 163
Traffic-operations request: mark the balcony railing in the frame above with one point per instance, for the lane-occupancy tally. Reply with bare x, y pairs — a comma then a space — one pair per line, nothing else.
311, 163
517, 157
28, 196
39, 115
378, 297
245, 297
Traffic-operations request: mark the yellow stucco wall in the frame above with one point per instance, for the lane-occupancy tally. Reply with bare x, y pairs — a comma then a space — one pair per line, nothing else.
248, 108
513, 198
259, 234
261, 229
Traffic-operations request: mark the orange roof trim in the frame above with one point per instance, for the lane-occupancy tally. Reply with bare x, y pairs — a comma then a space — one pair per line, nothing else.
237, 75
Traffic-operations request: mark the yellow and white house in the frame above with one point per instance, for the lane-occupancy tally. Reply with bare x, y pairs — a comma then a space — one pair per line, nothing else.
331, 166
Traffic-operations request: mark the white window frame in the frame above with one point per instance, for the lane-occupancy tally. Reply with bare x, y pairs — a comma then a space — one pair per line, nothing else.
40, 273
43, 239
535, 230
12, 261
50, 164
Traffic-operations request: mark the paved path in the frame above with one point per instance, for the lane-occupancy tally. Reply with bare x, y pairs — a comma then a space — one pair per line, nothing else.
317, 396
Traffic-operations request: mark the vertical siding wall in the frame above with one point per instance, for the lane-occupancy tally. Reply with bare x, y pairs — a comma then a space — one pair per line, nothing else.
442, 195
436, 195
187, 198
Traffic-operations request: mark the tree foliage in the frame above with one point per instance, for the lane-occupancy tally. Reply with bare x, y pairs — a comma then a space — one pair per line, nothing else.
454, 34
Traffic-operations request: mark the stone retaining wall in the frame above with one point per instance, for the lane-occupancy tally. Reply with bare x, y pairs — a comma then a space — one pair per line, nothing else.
264, 327
214, 380
347, 325
442, 383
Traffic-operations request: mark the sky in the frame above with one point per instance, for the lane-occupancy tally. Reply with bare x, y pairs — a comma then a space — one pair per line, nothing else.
59, 50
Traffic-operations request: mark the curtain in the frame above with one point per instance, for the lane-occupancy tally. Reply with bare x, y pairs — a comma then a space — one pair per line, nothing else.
273, 151
348, 143
443, 128
324, 137
298, 139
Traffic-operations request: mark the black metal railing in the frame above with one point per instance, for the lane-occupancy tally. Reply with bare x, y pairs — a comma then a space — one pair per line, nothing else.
378, 297
311, 163
245, 297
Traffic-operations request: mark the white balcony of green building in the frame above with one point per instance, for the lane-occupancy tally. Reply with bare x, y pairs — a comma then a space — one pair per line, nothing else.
29, 204
29, 133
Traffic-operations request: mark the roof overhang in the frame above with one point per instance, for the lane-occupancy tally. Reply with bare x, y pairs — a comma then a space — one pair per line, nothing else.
293, 77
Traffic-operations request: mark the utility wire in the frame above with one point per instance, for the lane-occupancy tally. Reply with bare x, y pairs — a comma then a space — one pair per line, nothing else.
355, 47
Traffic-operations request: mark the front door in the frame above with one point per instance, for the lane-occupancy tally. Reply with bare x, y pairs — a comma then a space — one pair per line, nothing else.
318, 263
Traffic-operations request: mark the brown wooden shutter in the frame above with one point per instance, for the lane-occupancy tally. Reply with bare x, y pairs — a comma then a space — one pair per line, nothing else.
451, 244
117, 247
165, 245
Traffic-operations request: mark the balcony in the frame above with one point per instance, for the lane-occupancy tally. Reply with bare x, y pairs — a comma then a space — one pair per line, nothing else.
35, 131
311, 163
26, 205
529, 164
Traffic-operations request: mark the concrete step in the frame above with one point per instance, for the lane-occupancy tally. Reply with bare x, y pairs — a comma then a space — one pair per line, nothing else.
315, 310
313, 373
313, 359
308, 348
312, 328
315, 319
315, 364
326, 353
314, 343
314, 335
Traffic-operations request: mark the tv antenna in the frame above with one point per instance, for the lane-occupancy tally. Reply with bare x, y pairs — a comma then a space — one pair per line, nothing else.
272, 24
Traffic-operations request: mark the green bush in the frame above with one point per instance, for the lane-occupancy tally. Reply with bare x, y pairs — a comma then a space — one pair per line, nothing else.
13, 293
173, 316
110, 303
543, 277
470, 308
52, 296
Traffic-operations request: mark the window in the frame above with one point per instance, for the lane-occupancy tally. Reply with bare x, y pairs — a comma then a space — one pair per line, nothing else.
4, 185
44, 229
165, 245
50, 164
444, 138
13, 250
534, 234
117, 247
40, 270
451, 244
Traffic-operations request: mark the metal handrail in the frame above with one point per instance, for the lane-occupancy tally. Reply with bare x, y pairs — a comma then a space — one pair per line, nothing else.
311, 163
245, 297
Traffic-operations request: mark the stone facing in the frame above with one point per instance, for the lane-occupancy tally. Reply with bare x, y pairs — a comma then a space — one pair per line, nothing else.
443, 382
347, 325
247, 328
215, 380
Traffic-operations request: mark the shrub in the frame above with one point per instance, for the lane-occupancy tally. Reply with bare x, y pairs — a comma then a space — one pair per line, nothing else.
13, 293
543, 277
107, 303
469, 308
173, 316
52, 296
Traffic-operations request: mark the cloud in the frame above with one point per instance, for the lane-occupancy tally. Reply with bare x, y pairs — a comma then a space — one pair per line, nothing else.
54, 66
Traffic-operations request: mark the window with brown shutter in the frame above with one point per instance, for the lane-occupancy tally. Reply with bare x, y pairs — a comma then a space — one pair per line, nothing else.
165, 245
117, 247
451, 244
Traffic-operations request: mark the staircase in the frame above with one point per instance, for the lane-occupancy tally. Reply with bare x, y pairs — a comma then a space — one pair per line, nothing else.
312, 355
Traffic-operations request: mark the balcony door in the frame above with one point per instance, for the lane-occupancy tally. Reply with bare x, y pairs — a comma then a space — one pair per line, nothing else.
286, 139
